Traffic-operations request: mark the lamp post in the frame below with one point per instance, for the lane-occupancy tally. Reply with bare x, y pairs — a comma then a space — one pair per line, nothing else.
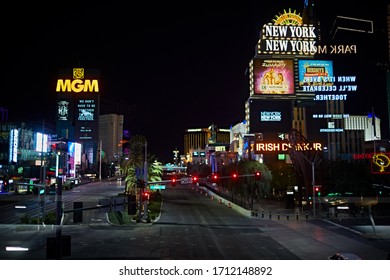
145, 179
312, 163
313, 186
100, 160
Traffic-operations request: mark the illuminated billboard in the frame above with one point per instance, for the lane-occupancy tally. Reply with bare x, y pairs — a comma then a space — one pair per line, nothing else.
13, 146
65, 109
86, 110
272, 76
74, 151
78, 104
78, 83
270, 116
41, 143
315, 75
262, 147
288, 35
77, 153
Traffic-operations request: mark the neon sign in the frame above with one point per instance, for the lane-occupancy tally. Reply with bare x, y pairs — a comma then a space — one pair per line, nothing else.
380, 164
288, 35
13, 146
267, 116
266, 147
78, 84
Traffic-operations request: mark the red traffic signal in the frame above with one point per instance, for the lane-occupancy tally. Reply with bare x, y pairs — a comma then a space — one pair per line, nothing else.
214, 177
145, 195
317, 190
234, 176
173, 182
258, 175
194, 179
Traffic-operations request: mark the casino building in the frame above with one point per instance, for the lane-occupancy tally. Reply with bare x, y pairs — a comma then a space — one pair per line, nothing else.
297, 96
78, 96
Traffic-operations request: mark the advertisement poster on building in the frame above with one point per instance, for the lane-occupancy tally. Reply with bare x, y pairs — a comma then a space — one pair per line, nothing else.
273, 76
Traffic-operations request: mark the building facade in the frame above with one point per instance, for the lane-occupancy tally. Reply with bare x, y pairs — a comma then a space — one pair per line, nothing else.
198, 142
111, 136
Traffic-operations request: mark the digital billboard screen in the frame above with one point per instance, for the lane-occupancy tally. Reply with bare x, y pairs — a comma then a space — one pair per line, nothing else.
86, 117
273, 76
65, 109
273, 116
41, 143
86, 109
315, 75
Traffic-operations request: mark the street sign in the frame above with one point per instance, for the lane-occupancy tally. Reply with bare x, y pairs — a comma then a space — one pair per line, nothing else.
157, 187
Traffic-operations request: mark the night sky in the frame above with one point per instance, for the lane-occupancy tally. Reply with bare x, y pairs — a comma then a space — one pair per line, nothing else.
165, 66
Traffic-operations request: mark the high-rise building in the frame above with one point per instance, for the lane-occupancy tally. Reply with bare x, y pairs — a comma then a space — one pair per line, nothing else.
197, 139
111, 136
78, 98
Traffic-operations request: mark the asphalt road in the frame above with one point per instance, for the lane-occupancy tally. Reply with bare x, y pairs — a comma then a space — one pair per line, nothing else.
192, 225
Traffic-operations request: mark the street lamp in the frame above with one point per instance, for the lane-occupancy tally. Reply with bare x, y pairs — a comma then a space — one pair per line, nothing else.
100, 160
313, 183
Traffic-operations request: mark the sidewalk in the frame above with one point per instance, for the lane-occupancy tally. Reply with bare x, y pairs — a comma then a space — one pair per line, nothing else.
276, 211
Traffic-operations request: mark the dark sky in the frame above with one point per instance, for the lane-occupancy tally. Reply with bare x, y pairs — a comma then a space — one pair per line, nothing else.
167, 66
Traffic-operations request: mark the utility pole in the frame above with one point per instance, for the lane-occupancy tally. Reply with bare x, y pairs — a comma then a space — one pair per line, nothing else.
313, 186
146, 162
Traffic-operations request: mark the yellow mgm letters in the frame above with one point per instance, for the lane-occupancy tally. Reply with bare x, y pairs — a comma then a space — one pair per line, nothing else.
77, 85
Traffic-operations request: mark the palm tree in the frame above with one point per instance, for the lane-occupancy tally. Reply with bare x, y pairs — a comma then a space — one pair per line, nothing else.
155, 170
131, 167
134, 163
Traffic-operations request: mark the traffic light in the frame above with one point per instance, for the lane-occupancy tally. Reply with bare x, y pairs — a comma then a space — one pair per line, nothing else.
234, 176
194, 179
258, 175
214, 177
173, 182
145, 195
317, 190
